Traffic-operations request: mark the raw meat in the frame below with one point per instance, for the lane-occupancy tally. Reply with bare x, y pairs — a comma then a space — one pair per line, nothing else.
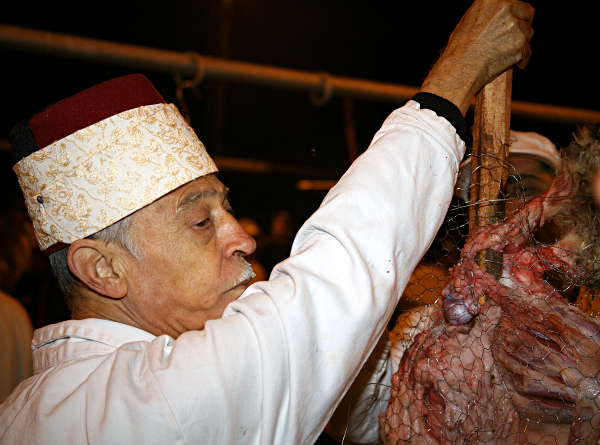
510, 360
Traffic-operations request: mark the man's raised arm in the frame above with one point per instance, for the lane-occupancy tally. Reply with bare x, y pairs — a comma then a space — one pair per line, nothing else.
491, 37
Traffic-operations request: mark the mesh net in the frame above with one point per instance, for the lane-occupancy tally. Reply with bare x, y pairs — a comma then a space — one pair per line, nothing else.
513, 358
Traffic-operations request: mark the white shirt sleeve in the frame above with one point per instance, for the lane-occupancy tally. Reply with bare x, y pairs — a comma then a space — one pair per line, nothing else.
272, 370
313, 325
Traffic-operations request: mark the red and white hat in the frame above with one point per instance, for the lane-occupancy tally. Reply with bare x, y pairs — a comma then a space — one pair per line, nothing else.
89, 161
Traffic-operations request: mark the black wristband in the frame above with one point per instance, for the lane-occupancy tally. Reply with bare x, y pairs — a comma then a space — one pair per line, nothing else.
444, 108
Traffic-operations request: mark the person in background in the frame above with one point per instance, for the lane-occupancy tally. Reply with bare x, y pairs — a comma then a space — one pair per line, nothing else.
167, 343
532, 163
277, 244
17, 244
16, 330
16, 333
25, 273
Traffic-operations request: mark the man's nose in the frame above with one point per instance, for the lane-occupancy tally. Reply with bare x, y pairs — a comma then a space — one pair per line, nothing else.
236, 240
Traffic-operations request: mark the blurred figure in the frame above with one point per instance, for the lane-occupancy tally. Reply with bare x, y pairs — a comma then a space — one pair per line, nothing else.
277, 245
17, 245
17, 238
17, 248
532, 161
424, 287
16, 333
24, 270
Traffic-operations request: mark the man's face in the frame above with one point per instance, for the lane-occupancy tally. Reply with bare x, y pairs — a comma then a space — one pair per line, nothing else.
529, 178
192, 264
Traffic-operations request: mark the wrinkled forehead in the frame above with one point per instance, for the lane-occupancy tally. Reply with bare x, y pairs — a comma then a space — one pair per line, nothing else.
185, 197
202, 189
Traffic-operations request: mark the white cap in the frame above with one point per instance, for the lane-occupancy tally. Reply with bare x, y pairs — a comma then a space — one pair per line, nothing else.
530, 143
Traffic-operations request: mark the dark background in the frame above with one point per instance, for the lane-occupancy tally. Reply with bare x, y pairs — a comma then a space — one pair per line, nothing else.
377, 40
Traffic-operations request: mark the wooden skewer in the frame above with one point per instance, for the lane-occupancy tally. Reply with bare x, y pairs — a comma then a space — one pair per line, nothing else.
491, 136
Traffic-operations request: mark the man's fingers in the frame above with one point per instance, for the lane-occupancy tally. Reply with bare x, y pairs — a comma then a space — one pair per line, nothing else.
526, 29
523, 11
525, 59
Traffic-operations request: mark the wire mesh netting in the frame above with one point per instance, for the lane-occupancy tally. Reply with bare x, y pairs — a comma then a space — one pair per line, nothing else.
512, 358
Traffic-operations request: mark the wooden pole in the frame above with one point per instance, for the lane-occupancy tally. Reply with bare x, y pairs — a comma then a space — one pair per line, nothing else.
491, 136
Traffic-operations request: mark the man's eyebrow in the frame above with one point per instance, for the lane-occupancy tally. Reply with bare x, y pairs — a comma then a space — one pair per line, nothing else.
520, 177
196, 195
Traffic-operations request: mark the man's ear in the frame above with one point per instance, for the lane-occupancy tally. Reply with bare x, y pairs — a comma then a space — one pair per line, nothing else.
96, 265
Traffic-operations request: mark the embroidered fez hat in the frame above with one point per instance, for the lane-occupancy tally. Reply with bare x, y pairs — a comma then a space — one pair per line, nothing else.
89, 161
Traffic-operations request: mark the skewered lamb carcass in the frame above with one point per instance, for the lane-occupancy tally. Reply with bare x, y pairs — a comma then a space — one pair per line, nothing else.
510, 361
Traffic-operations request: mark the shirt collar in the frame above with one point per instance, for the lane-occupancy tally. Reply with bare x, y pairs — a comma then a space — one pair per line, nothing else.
76, 338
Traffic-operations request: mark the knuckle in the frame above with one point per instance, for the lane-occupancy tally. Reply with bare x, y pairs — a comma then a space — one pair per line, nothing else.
512, 25
505, 8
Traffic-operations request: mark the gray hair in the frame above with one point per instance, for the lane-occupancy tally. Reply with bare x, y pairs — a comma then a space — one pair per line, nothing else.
118, 233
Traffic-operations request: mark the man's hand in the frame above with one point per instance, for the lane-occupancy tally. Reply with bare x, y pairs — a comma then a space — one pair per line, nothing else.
492, 36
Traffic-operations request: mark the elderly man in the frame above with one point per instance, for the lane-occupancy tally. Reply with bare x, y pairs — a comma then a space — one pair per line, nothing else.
167, 343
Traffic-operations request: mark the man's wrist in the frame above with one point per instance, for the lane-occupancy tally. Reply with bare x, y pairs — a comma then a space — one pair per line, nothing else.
444, 108
455, 78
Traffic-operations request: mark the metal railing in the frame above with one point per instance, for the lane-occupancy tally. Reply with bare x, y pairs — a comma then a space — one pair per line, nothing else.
320, 85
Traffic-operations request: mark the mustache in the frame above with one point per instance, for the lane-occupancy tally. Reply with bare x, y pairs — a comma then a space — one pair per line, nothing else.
246, 275
248, 272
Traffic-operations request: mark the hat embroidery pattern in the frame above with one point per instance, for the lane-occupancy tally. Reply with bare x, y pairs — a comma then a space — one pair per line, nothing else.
98, 175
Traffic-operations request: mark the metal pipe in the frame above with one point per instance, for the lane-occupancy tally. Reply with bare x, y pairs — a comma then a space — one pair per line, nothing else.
320, 85
187, 64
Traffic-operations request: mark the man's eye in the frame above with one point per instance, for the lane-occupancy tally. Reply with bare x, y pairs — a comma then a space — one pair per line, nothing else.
203, 222
530, 191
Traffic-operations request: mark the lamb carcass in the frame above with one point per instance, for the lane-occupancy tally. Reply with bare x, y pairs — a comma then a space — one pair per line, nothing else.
510, 360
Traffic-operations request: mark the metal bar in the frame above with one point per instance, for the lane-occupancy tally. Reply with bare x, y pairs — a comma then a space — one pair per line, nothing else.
188, 64
144, 58
554, 113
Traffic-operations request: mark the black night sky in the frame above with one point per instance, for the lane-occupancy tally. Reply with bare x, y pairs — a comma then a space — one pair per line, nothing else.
378, 40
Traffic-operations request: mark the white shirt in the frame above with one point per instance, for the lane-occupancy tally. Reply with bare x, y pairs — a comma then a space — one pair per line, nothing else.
274, 367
